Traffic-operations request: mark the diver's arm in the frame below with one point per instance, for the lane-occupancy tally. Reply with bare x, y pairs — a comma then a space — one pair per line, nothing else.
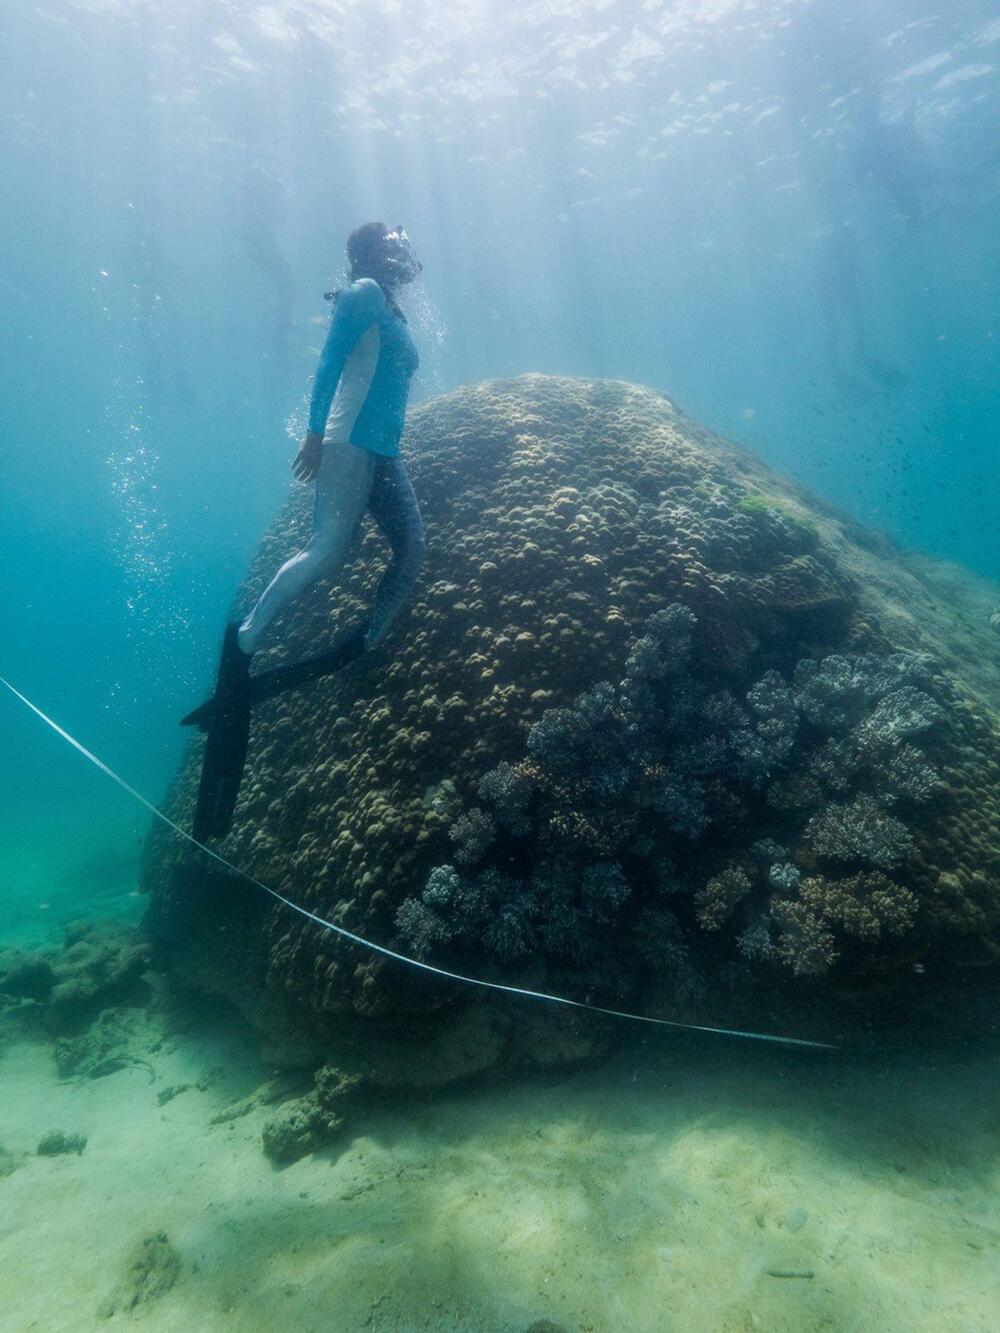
356, 309
307, 460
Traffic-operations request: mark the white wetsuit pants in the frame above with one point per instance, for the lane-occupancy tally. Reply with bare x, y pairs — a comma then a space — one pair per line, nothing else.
351, 482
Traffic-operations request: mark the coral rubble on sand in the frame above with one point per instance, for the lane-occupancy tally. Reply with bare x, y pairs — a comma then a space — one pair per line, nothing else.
306, 1123
89, 997
99, 963
655, 719
56, 1142
150, 1270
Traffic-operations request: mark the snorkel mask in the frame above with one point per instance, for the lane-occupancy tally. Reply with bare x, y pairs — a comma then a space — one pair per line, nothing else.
398, 257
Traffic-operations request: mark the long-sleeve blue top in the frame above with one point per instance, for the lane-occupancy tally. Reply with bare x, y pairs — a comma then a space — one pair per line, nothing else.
379, 424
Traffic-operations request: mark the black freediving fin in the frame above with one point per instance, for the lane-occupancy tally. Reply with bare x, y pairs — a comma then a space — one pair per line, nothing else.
226, 748
266, 684
350, 644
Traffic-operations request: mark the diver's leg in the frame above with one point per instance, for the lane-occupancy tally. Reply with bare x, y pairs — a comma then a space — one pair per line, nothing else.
393, 505
343, 488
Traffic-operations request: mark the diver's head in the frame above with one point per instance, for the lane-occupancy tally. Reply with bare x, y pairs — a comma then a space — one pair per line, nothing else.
383, 253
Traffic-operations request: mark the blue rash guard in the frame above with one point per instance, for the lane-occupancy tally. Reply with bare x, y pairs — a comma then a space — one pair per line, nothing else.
367, 336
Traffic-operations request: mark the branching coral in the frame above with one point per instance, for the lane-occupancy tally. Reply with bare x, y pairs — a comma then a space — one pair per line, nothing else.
508, 789
563, 927
473, 834
604, 890
755, 943
420, 927
682, 804
660, 942
805, 941
897, 716
865, 906
837, 693
873, 709
904, 773
509, 934
869, 904
664, 649
768, 852
860, 831
645, 768
769, 738
715, 902
831, 693
784, 877
556, 907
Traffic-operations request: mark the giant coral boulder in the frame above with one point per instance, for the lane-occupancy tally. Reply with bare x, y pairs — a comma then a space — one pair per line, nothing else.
658, 728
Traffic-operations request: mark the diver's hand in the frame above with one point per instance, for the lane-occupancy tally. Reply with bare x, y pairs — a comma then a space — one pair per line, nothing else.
306, 463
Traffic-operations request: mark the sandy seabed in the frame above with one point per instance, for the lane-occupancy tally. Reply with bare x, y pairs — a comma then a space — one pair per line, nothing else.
689, 1186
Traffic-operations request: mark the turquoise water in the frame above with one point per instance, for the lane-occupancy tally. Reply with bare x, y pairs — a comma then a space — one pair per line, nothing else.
782, 213
643, 192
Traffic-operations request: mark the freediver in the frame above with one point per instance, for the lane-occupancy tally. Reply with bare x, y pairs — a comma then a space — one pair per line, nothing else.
351, 452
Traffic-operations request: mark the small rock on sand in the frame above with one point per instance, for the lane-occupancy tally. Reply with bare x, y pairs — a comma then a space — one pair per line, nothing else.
151, 1268
168, 1093
56, 1142
9, 1162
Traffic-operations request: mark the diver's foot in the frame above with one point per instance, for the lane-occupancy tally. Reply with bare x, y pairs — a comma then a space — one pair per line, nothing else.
236, 687
246, 640
232, 685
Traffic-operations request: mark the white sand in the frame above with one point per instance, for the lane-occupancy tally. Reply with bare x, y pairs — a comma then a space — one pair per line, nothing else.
652, 1195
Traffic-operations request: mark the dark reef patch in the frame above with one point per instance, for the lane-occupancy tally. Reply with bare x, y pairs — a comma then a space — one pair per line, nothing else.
658, 728
99, 963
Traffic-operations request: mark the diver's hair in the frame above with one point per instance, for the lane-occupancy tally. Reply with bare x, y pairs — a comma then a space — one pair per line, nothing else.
363, 246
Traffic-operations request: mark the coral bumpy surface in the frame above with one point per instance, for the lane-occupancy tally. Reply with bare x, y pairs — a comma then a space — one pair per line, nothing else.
653, 716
